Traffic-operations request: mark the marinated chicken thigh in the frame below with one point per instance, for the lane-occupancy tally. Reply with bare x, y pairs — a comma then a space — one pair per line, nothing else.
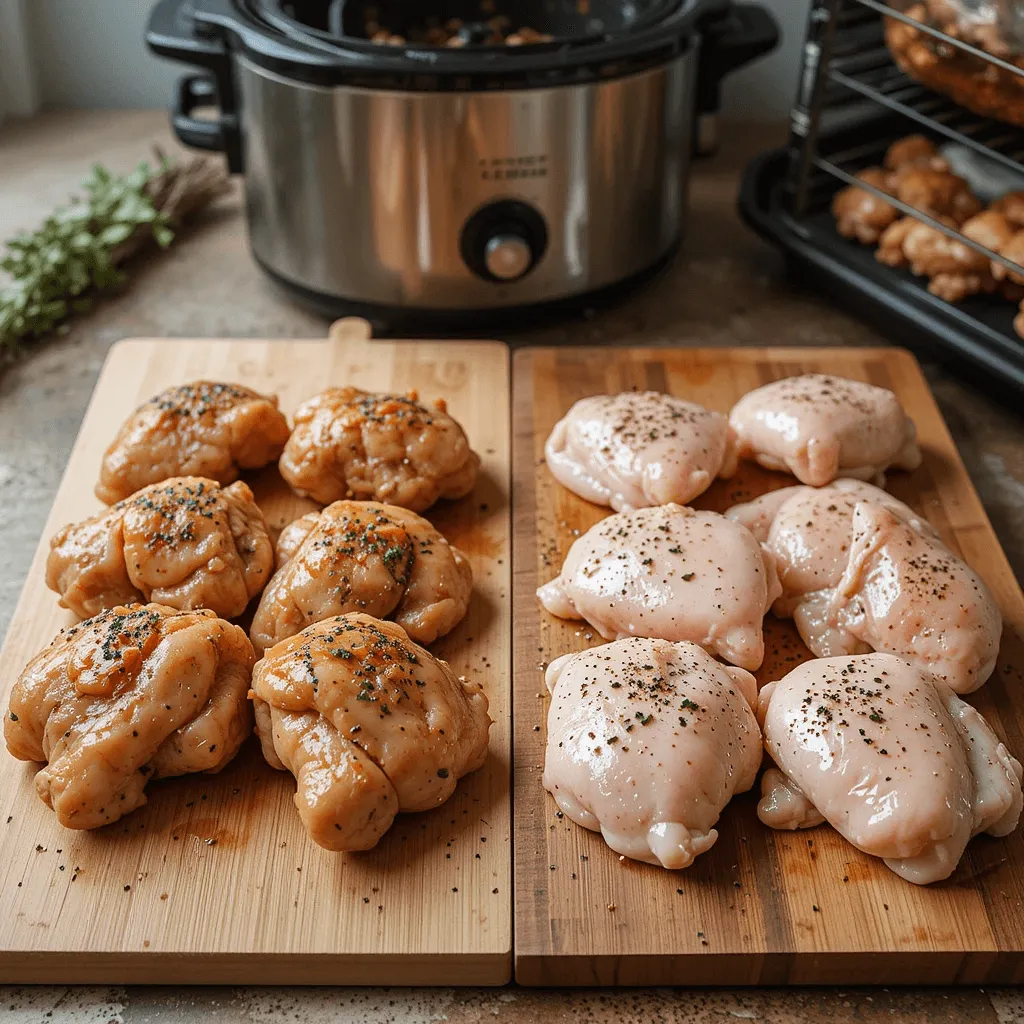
819, 427
353, 444
200, 429
639, 448
670, 572
890, 757
647, 742
139, 692
368, 557
369, 724
187, 543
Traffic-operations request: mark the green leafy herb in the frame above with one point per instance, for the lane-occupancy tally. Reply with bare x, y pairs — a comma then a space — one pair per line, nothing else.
78, 250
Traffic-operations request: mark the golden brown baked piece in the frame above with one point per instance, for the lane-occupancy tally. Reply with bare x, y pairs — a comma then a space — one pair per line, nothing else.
1011, 206
954, 270
199, 429
935, 192
861, 215
1012, 249
914, 151
369, 724
139, 692
349, 443
187, 543
361, 556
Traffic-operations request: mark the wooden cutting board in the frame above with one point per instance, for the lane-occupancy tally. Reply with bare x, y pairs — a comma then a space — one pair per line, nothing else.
761, 907
215, 880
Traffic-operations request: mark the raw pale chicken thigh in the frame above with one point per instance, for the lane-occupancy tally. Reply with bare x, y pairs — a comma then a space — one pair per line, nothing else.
890, 757
368, 723
647, 742
819, 427
861, 571
670, 572
137, 693
367, 557
808, 531
639, 448
353, 444
187, 543
200, 429
904, 593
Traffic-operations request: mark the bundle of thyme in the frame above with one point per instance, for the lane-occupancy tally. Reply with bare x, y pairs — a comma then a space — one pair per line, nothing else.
79, 250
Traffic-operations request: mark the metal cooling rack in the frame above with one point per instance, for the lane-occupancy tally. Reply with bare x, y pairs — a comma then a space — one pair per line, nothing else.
849, 81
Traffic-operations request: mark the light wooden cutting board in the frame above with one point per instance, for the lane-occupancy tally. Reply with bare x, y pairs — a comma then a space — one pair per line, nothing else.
761, 907
215, 880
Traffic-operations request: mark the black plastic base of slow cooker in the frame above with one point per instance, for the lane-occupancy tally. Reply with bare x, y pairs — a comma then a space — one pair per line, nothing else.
976, 337
497, 322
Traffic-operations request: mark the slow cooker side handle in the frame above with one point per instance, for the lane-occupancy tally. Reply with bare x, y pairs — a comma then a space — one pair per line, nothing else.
172, 33
747, 32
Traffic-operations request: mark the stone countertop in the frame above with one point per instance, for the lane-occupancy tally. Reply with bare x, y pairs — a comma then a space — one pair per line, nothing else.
725, 288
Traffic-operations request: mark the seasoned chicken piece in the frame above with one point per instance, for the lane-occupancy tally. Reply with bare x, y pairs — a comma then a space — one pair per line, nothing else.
187, 543
1013, 250
955, 271
199, 429
861, 215
905, 593
639, 448
1011, 206
861, 571
819, 427
368, 723
890, 757
808, 532
353, 444
670, 572
934, 191
914, 151
364, 556
139, 692
647, 742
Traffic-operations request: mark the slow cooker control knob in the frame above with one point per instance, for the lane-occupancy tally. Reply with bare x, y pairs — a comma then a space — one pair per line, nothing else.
508, 256
504, 241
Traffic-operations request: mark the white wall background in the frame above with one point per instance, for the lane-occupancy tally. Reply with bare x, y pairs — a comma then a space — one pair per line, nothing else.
90, 53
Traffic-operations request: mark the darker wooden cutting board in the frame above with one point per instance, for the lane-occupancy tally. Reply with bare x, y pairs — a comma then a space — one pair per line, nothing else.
761, 907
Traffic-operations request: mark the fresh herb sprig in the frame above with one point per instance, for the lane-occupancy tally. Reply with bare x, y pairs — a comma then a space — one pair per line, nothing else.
55, 271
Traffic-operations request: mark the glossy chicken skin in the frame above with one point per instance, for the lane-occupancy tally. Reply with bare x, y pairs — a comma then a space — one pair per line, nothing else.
890, 757
647, 742
369, 724
349, 443
809, 532
639, 448
820, 427
670, 572
204, 429
187, 543
368, 557
139, 692
905, 593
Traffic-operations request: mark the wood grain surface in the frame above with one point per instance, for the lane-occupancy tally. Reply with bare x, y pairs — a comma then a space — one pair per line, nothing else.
215, 880
761, 907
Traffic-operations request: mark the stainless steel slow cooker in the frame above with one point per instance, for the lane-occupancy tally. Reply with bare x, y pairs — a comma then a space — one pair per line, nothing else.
464, 179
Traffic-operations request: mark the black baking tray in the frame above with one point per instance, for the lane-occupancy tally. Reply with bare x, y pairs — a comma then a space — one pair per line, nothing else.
977, 335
